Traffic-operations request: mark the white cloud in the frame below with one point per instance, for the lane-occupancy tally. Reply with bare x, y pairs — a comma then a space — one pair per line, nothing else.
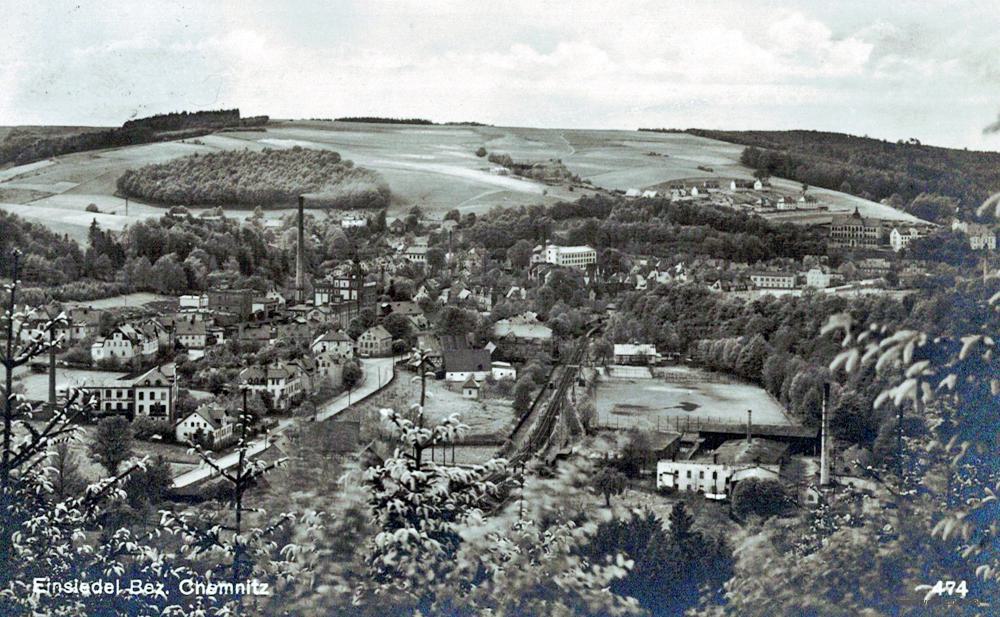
684, 63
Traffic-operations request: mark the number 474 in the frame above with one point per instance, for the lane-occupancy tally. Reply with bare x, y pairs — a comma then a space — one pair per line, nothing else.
945, 588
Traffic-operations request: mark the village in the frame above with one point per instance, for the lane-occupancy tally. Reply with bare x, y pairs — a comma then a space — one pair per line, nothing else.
184, 369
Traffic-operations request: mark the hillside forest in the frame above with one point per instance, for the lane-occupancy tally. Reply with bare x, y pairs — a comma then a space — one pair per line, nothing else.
267, 178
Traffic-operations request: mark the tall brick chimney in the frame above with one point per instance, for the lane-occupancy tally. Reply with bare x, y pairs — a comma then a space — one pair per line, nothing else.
300, 256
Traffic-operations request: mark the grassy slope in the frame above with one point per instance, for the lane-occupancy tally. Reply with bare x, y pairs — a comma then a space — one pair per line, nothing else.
431, 166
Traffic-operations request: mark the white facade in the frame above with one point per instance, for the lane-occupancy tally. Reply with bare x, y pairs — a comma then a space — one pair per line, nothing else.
503, 370
901, 238
773, 280
570, 256
713, 480
817, 278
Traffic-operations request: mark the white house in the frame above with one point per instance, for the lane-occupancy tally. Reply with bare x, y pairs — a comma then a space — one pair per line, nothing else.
209, 420
375, 342
353, 220
633, 193
901, 238
416, 254
334, 342
470, 389
817, 278
503, 370
463, 364
636, 354
124, 344
282, 382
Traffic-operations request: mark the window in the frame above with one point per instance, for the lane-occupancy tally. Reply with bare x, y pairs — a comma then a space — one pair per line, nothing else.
142, 395
689, 473
701, 475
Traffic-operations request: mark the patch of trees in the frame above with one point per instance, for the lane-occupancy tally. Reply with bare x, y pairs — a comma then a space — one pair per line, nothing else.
266, 178
552, 170
25, 145
649, 227
870, 168
177, 121
384, 120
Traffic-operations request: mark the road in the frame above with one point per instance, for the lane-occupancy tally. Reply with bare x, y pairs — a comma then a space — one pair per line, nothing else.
376, 374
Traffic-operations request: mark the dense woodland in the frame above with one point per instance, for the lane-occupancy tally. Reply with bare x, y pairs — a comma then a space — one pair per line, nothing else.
25, 145
653, 226
871, 168
266, 178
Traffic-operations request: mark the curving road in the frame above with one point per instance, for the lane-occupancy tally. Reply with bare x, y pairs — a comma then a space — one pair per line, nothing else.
376, 374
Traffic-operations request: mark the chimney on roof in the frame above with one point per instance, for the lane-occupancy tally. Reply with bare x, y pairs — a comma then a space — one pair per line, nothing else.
300, 275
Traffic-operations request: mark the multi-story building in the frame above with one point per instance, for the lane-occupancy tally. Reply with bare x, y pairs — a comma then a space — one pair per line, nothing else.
344, 287
900, 238
570, 256
981, 238
281, 382
337, 343
773, 280
124, 344
375, 342
854, 230
238, 302
817, 278
151, 393
732, 462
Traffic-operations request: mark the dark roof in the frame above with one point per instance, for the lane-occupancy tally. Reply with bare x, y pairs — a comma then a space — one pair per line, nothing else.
466, 360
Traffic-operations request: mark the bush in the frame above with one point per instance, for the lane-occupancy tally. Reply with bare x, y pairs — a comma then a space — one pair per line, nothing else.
763, 498
92, 208
144, 427
481, 152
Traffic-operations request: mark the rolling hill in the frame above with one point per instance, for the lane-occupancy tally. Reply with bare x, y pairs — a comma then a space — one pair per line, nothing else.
434, 167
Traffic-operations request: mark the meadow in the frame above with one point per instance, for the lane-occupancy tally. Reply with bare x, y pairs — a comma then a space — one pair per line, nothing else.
434, 167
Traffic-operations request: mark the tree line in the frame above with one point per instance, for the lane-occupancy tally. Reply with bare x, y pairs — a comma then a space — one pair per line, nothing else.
870, 168
25, 145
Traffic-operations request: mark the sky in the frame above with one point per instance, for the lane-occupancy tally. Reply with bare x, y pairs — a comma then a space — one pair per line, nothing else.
903, 69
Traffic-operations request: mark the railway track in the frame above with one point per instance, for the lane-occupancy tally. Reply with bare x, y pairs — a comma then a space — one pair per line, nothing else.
534, 429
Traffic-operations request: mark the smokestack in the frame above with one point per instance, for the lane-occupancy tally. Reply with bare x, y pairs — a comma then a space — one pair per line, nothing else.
749, 423
52, 371
300, 275
824, 438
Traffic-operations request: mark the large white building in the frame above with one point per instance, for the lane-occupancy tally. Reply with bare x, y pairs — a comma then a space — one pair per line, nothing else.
773, 280
152, 393
732, 462
570, 256
817, 278
900, 238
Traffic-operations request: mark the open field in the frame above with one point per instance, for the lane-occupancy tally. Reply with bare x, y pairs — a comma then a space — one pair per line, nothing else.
686, 393
431, 166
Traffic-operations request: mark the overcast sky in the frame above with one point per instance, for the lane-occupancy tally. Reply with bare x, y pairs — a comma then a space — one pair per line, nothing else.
899, 69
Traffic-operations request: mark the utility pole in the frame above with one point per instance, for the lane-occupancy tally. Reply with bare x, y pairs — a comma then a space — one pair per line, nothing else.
824, 439
8, 414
